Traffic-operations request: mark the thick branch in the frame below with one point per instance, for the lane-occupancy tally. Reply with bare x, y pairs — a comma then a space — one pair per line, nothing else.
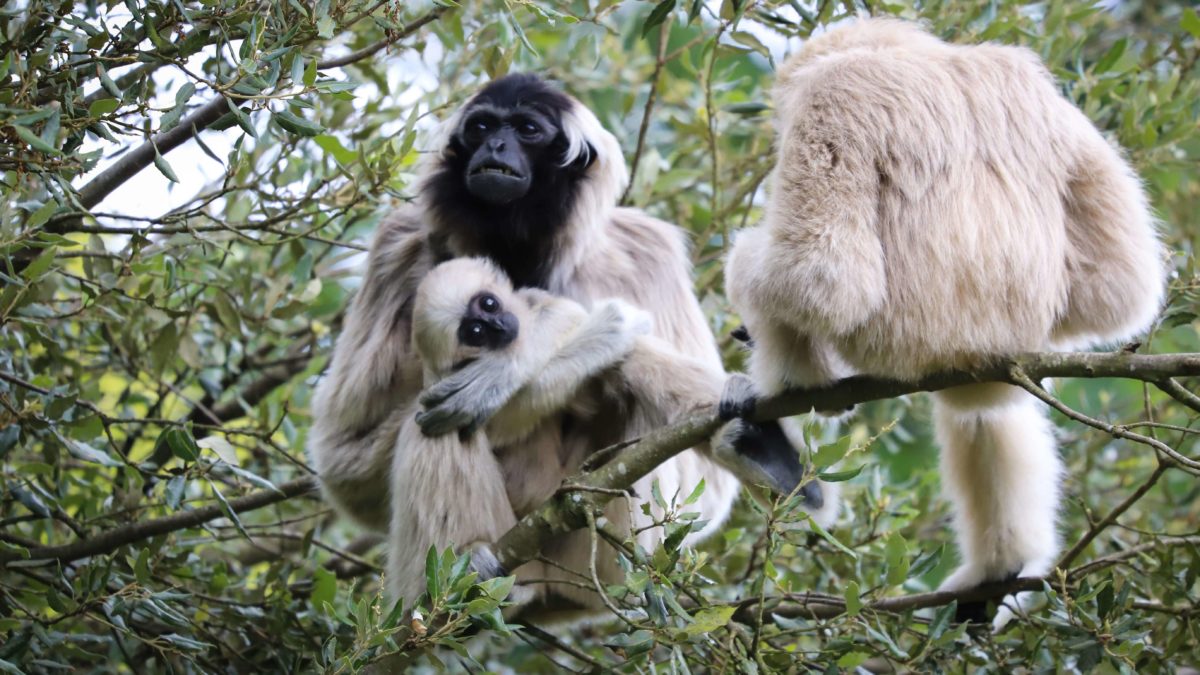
142, 156
566, 512
111, 540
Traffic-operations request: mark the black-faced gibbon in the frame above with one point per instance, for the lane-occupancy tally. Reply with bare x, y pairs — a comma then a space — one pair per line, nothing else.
527, 177
935, 206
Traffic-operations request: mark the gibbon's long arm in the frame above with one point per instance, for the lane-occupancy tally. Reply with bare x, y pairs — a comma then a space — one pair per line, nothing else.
359, 404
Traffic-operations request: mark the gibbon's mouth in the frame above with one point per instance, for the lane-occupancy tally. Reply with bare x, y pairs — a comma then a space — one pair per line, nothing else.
496, 169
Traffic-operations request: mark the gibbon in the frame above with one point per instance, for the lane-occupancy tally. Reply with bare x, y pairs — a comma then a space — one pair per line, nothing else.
469, 488
935, 206
527, 177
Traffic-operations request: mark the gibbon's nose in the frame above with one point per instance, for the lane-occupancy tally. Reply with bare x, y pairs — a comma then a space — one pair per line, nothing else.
505, 327
496, 144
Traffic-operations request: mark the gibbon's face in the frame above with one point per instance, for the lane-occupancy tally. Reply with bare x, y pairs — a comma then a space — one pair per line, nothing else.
487, 324
511, 137
464, 306
506, 147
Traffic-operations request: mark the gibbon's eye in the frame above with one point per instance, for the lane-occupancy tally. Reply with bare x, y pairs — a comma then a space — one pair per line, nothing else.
529, 129
473, 334
489, 304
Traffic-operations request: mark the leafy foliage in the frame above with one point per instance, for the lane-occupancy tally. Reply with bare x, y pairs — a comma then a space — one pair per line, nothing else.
156, 367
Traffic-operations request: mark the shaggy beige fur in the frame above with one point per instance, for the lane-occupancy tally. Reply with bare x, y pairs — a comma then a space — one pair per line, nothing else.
935, 206
605, 252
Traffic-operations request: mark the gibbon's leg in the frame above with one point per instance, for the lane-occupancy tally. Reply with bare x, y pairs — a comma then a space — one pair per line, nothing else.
816, 264
1115, 262
446, 492
1002, 472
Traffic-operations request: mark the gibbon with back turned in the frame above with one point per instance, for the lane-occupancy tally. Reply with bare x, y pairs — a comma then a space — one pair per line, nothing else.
935, 206
526, 176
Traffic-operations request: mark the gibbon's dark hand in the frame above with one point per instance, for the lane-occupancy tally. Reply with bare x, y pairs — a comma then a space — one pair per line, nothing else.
468, 398
738, 398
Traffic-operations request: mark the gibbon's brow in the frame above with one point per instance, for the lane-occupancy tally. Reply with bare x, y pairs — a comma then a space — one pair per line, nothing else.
530, 111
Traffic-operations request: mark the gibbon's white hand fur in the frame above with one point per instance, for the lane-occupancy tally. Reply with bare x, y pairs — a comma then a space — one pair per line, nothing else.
527, 177
933, 206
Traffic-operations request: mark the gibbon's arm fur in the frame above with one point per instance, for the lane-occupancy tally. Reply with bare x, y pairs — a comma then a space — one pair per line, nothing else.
935, 205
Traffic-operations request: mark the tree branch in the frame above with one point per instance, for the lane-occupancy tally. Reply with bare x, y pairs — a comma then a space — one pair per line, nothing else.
567, 511
110, 540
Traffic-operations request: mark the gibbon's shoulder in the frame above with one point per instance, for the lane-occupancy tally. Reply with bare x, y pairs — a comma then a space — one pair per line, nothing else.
889, 46
650, 241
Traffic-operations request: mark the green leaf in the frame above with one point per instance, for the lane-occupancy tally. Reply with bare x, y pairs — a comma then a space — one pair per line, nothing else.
87, 453
310, 73
840, 476
173, 493
942, 619
709, 619
658, 15
832, 453
432, 582
853, 601
171, 119
141, 567
107, 83
39, 265
1111, 57
325, 26
35, 141
39, 217
324, 589
180, 442
1191, 22
896, 556
296, 124
103, 106
699, 490
333, 146
164, 168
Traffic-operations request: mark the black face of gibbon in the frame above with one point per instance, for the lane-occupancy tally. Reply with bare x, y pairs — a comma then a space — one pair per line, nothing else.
502, 184
487, 324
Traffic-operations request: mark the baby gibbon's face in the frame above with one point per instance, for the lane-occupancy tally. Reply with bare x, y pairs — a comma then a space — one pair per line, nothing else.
487, 324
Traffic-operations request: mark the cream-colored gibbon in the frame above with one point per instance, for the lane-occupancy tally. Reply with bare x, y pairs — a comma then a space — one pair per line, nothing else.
934, 206
526, 177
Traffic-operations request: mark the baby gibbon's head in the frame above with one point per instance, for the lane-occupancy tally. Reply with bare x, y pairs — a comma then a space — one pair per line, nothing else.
463, 307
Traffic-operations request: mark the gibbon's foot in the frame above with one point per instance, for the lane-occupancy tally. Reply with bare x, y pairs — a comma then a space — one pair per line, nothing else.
485, 564
976, 611
742, 334
738, 397
760, 453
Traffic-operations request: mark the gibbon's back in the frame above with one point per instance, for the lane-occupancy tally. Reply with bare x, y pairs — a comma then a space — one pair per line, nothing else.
965, 161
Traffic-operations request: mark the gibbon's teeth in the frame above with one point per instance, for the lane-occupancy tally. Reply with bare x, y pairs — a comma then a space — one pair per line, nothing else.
503, 171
